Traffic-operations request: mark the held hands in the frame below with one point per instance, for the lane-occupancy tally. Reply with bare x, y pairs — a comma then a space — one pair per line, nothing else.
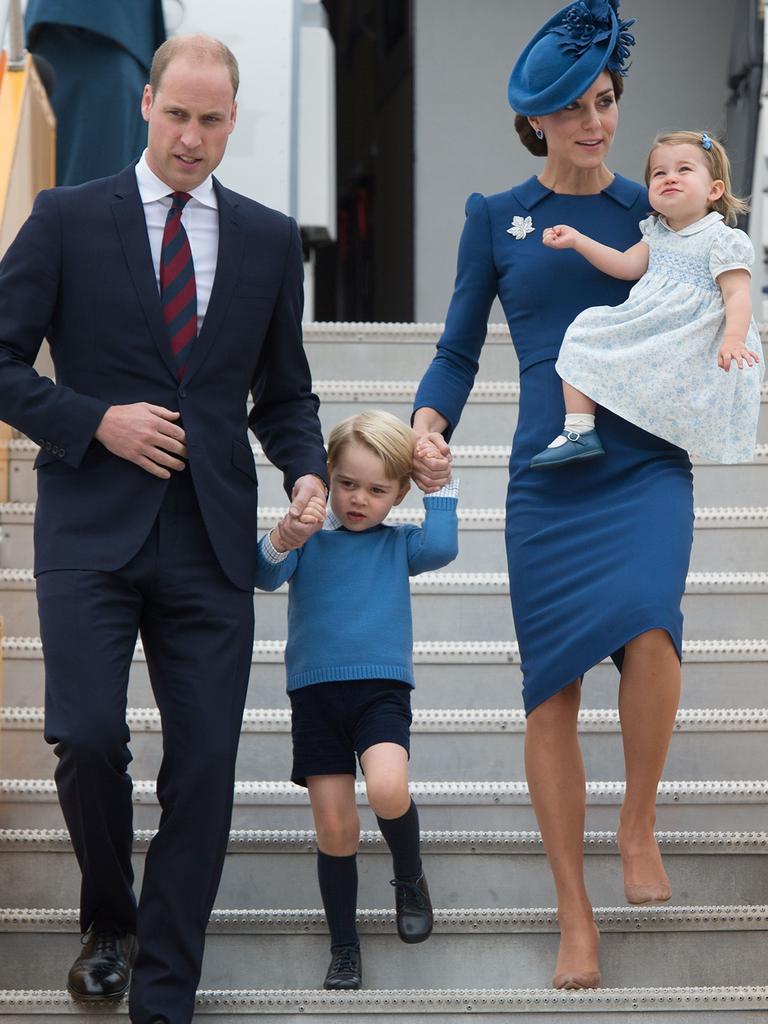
305, 516
431, 462
560, 237
146, 435
730, 350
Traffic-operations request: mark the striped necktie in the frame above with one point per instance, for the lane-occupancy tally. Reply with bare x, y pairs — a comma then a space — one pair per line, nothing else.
177, 284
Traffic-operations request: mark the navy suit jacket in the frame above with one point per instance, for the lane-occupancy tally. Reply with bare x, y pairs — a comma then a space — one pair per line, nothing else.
80, 273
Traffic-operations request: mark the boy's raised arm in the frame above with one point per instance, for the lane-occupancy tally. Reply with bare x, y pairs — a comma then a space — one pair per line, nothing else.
436, 542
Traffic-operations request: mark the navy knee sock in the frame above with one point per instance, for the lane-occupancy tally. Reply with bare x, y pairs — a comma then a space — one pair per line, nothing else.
402, 836
338, 887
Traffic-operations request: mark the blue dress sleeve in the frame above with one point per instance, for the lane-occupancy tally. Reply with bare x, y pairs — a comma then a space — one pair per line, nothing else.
448, 381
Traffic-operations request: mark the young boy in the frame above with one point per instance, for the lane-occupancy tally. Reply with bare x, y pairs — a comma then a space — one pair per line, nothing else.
350, 671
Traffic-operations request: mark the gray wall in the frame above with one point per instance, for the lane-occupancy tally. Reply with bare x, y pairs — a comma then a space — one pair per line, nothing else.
464, 135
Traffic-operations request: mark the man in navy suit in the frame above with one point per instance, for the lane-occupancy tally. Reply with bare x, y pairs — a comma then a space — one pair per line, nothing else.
166, 298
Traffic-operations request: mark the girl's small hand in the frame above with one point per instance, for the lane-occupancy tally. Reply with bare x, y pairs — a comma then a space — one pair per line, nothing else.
739, 352
560, 237
314, 512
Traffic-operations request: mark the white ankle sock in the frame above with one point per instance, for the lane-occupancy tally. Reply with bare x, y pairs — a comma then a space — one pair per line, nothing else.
580, 422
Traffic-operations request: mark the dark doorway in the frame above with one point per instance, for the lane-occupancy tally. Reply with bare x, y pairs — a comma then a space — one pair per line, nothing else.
368, 273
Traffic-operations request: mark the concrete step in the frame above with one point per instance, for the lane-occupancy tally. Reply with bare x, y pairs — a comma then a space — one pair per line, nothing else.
482, 469
276, 869
714, 602
408, 1006
484, 745
672, 946
491, 412
375, 351
693, 806
720, 539
450, 673
367, 351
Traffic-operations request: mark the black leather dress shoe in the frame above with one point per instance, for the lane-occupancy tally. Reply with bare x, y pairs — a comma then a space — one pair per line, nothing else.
414, 909
345, 970
103, 969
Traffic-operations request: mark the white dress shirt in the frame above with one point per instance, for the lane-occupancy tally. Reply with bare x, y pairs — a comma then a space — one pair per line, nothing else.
200, 218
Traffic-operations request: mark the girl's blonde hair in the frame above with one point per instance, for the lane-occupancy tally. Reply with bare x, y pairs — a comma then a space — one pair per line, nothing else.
385, 435
729, 205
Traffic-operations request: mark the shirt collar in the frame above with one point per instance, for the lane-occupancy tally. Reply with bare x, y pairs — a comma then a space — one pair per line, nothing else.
698, 225
332, 521
621, 190
152, 188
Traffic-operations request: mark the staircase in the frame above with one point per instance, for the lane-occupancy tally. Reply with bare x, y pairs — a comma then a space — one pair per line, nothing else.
702, 959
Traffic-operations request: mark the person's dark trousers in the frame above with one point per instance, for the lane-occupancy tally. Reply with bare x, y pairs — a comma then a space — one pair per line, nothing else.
197, 631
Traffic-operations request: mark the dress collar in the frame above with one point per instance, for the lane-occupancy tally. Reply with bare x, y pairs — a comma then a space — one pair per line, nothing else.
698, 225
152, 188
621, 190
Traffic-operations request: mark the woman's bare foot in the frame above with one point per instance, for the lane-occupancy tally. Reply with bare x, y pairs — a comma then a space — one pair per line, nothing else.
645, 880
577, 959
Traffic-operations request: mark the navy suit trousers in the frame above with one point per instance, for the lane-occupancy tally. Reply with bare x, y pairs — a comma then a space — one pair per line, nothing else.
197, 632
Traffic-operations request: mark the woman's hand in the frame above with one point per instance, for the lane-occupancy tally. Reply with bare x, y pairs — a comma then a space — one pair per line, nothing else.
736, 350
431, 462
561, 237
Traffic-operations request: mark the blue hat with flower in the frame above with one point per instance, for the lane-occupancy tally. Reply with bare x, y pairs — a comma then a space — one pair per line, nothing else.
567, 54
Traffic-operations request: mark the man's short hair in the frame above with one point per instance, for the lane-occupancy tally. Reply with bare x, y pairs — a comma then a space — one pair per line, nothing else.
197, 49
385, 435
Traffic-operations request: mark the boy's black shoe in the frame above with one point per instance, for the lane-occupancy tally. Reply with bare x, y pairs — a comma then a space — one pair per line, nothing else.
345, 970
414, 909
103, 969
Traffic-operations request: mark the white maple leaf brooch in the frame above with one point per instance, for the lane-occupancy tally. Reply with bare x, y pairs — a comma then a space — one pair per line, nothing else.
520, 227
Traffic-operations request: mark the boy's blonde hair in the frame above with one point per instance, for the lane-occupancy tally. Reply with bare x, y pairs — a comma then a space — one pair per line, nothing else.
719, 165
385, 435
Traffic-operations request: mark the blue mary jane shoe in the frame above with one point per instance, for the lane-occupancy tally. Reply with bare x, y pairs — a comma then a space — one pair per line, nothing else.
577, 448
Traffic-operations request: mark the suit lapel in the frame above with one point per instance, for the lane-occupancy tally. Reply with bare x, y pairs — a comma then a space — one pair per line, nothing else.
132, 226
228, 261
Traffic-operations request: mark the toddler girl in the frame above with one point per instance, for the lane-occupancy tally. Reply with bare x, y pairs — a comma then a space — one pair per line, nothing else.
349, 665
662, 358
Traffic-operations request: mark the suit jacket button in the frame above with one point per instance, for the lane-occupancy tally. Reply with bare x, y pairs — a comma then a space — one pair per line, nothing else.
182, 393
48, 446
61, 453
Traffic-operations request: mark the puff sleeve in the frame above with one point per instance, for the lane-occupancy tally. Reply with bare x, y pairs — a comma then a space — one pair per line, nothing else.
647, 228
732, 250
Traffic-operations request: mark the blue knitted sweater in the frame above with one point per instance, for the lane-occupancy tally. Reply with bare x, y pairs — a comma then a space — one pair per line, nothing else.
349, 599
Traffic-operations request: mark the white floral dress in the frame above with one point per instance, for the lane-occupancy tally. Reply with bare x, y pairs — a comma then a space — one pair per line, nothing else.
653, 359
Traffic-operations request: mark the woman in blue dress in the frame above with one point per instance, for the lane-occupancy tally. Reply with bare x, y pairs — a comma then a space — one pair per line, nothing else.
598, 551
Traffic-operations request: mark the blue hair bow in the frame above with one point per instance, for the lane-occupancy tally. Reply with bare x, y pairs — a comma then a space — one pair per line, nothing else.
706, 142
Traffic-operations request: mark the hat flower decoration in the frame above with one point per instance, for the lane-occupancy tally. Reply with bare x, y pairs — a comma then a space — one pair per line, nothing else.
582, 27
567, 54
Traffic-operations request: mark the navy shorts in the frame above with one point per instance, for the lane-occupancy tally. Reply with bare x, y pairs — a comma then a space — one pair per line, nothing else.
333, 722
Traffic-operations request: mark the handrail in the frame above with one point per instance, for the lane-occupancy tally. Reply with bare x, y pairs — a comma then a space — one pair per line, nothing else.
11, 19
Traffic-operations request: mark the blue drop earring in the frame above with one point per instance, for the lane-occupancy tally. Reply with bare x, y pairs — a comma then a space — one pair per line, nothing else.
539, 133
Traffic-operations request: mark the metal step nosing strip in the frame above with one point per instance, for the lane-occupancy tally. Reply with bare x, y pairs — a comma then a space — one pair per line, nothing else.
437, 793
463, 920
490, 583
491, 455
442, 720
470, 519
432, 841
428, 1001
457, 652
